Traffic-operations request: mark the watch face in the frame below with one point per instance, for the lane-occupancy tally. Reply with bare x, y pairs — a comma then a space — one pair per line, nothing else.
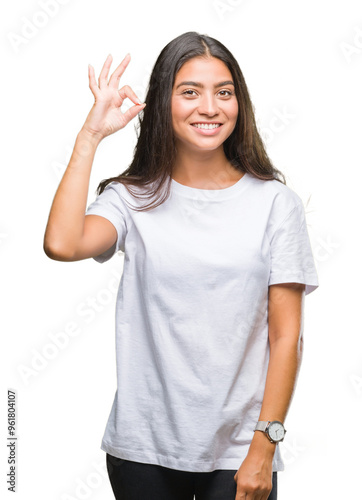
276, 431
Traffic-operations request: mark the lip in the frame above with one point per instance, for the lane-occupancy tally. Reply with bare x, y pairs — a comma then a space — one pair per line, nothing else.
206, 123
205, 131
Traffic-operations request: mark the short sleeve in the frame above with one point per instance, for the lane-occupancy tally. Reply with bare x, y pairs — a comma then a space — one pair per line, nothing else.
109, 204
291, 253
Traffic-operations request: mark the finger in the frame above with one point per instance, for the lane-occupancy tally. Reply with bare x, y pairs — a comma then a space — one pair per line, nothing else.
266, 495
240, 495
92, 81
262, 496
118, 72
133, 111
104, 73
126, 91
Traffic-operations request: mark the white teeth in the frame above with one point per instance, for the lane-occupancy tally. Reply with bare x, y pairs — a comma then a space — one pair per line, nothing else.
206, 126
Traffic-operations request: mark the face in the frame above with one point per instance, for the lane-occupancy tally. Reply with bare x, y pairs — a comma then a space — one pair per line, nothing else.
203, 104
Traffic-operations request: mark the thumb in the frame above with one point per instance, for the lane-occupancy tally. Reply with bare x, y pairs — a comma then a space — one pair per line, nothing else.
133, 111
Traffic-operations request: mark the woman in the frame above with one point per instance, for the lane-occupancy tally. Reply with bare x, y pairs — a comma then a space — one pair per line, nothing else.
210, 304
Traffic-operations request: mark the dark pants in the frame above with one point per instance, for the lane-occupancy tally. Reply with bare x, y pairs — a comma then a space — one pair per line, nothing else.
139, 481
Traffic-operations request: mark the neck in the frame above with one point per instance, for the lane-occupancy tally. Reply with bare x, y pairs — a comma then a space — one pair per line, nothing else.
197, 168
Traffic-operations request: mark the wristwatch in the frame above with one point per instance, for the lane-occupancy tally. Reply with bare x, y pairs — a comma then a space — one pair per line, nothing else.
274, 430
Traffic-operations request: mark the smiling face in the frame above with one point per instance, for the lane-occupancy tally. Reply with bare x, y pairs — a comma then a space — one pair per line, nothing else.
203, 104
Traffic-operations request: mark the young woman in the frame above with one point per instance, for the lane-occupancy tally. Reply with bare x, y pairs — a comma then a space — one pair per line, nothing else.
209, 312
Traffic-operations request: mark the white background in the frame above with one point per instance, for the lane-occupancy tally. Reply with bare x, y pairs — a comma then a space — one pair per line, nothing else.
301, 60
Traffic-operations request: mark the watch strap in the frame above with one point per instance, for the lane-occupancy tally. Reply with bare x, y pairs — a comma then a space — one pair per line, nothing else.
262, 425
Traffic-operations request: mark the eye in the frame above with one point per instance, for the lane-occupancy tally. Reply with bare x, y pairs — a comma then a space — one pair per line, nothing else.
224, 92
229, 93
186, 92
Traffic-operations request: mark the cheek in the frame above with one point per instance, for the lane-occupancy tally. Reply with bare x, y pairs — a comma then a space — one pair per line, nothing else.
232, 110
181, 109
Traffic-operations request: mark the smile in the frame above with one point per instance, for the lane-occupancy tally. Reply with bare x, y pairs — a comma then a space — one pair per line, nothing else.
206, 126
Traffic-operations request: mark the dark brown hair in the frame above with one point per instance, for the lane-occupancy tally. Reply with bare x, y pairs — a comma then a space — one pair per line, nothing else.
155, 151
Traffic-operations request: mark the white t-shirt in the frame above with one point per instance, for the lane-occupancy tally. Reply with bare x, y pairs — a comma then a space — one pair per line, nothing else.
191, 317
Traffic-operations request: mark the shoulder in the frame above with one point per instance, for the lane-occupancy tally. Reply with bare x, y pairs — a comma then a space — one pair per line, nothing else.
125, 191
118, 191
277, 201
279, 196
127, 198
115, 187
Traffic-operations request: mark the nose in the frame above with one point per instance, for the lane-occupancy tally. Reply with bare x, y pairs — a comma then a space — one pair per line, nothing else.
208, 105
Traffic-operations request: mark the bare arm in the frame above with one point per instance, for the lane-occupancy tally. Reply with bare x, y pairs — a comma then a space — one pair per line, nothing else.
66, 223
70, 234
285, 325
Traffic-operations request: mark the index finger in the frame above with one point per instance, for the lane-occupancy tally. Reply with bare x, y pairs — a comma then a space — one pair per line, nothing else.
118, 72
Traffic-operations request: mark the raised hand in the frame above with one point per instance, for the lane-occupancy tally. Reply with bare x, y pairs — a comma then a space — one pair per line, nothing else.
106, 117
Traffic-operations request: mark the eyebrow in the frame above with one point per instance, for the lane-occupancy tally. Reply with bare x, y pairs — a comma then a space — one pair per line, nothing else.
198, 84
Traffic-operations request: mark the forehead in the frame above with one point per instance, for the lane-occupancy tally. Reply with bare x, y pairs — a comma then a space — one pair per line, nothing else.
207, 69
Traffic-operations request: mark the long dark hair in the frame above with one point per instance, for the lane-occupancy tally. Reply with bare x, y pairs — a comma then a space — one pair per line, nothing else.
155, 151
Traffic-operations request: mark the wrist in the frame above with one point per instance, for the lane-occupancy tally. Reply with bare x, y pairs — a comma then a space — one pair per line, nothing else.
92, 138
260, 444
